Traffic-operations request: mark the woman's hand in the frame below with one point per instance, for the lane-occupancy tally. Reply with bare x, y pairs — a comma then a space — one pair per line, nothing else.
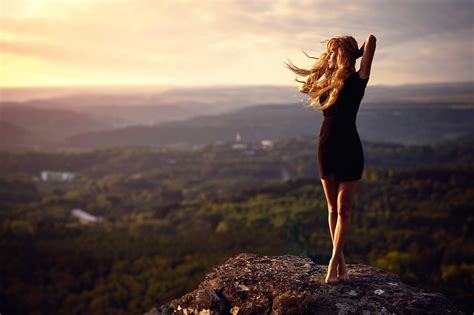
360, 52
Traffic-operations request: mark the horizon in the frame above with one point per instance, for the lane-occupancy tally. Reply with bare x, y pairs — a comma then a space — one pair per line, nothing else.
104, 85
34, 93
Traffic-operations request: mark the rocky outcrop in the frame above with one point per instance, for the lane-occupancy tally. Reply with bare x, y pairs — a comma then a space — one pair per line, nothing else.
255, 284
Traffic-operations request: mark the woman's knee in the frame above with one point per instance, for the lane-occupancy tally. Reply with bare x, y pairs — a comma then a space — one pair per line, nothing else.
332, 210
344, 210
345, 196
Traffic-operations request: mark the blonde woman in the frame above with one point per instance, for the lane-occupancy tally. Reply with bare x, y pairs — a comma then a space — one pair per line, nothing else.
339, 88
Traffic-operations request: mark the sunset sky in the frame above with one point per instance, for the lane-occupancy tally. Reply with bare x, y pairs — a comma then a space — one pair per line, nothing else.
209, 42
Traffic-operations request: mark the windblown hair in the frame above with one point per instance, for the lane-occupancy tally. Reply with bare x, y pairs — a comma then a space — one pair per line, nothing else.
324, 81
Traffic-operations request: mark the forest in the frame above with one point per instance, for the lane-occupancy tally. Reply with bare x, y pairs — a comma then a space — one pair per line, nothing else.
170, 216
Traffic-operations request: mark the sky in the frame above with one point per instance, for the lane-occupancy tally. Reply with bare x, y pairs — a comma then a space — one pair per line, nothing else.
224, 42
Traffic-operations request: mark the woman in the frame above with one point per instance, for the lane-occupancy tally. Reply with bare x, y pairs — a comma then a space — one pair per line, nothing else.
333, 81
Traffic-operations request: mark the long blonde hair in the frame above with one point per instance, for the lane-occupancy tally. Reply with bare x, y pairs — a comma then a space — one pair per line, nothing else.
333, 80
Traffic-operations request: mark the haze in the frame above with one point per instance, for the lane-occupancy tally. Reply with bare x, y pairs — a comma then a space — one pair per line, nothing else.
209, 43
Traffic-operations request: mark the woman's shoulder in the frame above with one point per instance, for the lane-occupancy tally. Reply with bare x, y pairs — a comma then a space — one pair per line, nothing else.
356, 79
355, 82
356, 74
352, 75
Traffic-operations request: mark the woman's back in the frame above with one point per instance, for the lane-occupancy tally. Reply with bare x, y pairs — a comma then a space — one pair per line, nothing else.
340, 154
349, 98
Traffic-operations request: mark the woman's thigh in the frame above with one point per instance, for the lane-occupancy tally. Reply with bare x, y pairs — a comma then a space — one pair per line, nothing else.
330, 191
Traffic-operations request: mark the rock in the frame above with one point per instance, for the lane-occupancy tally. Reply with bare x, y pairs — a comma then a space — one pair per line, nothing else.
255, 284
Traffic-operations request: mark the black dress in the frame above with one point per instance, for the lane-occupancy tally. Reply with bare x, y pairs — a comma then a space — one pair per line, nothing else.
340, 154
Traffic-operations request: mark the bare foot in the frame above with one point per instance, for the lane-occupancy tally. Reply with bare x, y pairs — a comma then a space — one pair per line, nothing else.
331, 277
342, 271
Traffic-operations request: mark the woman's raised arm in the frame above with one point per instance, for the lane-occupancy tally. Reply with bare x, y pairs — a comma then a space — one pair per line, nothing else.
367, 52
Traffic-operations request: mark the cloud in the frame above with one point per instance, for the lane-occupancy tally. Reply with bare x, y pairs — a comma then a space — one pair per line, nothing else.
221, 40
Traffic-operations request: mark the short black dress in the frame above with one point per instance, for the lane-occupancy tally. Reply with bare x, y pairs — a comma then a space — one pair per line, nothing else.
340, 154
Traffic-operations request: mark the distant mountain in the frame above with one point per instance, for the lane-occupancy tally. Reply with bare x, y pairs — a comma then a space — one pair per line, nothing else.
54, 124
397, 124
12, 131
121, 109
151, 105
184, 117
15, 138
437, 93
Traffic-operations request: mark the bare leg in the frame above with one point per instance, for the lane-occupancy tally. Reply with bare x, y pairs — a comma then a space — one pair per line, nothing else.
331, 191
346, 191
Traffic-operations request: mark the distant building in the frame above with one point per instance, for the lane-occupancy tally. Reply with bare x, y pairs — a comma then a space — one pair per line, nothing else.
285, 175
266, 144
239, 146
57, 176
84, 217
